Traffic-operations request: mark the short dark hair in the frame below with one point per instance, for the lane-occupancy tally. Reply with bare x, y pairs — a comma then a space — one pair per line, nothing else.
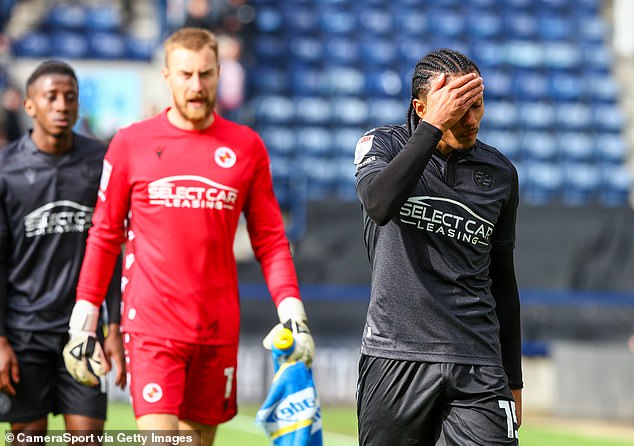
50, 67
439, 61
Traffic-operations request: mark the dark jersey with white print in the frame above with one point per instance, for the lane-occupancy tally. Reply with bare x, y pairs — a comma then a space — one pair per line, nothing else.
46, 207
431, 290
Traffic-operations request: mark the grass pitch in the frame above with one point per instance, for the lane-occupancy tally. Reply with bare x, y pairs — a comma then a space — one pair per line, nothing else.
340, 429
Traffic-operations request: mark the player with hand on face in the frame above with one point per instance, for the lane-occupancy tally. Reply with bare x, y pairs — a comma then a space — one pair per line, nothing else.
441, 348
173, 189
48, 189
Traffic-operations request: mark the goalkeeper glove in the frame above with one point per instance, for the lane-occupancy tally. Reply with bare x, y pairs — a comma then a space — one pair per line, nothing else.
83, 354
292, 316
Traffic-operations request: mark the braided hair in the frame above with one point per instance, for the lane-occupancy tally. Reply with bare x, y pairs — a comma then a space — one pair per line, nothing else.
439, 61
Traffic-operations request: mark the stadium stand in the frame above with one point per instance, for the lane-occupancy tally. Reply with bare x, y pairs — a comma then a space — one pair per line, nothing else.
551, 99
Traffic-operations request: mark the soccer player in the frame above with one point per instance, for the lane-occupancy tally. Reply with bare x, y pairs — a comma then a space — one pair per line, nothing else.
173, 189
49, 180
441, 344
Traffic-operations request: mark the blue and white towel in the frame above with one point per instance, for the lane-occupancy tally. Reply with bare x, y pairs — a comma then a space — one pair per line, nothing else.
290, 414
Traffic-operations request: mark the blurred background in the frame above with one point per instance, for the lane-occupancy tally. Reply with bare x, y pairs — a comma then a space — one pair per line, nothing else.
311, 76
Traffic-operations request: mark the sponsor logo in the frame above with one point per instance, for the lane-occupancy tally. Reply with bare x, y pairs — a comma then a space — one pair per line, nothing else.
152, 392
58, 217
366, 161
225, 157
363, 147
483, 178
448, 218
294, 405
159, 151
191, 191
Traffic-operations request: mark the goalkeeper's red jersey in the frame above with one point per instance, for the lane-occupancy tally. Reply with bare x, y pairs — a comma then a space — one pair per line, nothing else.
174, 197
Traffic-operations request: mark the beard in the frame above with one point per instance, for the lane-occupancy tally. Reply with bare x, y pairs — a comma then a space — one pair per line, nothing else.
195, 114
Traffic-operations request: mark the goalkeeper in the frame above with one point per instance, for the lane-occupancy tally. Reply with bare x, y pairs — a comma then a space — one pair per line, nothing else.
48, 188
173, 188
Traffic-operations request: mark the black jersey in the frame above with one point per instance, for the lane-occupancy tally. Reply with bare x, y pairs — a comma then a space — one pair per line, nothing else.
46, 207
431, 294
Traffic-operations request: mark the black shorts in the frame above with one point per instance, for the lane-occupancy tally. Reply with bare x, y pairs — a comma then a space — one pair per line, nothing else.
45, 386
419, 403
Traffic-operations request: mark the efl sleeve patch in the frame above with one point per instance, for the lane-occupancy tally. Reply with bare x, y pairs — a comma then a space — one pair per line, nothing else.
363, 147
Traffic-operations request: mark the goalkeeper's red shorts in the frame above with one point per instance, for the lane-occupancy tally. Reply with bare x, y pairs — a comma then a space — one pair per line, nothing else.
196, 382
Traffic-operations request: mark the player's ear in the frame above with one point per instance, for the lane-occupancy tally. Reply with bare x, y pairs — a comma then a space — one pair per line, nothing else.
29, 107
419, 107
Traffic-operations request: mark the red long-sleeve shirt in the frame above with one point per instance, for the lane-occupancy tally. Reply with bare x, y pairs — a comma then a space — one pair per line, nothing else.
174, 197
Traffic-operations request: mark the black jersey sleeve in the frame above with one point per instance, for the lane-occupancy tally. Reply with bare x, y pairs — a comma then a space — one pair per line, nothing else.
113, 296
507, 307
383, 192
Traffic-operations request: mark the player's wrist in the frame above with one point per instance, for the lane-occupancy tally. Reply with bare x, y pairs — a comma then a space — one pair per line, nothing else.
83, 319
292, 308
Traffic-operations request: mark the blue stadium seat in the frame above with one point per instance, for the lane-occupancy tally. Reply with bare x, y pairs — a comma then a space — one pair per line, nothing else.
597, 57
574, 116
488, 55
563, 86
608, 118
506, 141
306, 49
610, 147
307, 81
446, 23
519, 25
350, 111
385, 111
337, 21
530, 85
536, 115
32, 45
66, 17
577, 146
592, 28
562, 56
551, 26
344, 81
68, 45
346, 183
269, 19
273, 109
601, 88
279, 140
269, 79
321, 175
384, 83
538, 146
411, 22
616, 185
270, 48
300, 19
501, 114
345, 141
498, 83
375, 22
484, 25
316, 142
542, 183
103, 18
138, 48
411, 50
106, 45
312, 110
342, 51
377, 52
581, 183
525, 54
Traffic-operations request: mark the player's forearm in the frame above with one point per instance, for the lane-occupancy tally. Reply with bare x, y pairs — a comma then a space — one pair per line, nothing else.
96, 273
3, 299
279, 272
506, 295
113, 295
384, 192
